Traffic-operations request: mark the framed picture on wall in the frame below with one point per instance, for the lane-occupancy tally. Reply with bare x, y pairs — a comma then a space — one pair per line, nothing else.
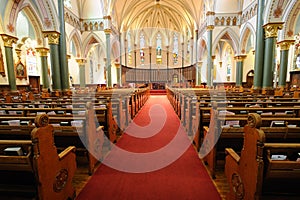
20, 70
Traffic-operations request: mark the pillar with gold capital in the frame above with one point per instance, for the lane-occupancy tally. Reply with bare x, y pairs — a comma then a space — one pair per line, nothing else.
259, 47
209, 56
44, 64
239, 69
81, 63
8, 45
284, 55
53, 41
271, 32
108, 61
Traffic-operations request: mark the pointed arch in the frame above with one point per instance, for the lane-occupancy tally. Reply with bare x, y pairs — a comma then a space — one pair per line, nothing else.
290, 18
76, 38
44, 13
233, 39
91, 39
246, 32
202, 45
115, 50
35, 22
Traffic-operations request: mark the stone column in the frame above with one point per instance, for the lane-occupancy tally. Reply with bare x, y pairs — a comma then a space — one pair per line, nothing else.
167, 47
150, 64
239, 70
271, 32
135, 63
209, 56
119, 68
8, 45
81, 63
198, 71
182, 66
284, 55
259, 48
108, 61
44, 64
53, 41
64, 68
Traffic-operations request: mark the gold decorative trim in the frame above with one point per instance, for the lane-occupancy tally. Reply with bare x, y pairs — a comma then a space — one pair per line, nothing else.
285, 44
240, 58
271, 29
9, 40
208, 13
210, 27
43, 51
107, 31
81, 61
53, 37
107, 17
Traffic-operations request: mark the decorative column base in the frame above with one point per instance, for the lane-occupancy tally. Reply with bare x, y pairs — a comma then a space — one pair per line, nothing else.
268, 91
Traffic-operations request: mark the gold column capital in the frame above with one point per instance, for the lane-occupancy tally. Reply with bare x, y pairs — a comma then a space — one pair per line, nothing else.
213, 57
9, 40
117, 64
107, 31
107, 17
81, 61
285, 44
208, 13
53, 36
69, 56
271, 29
240, 58
43, 51
210, 27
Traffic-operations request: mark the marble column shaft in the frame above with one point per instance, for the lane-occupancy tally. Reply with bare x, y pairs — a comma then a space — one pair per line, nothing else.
44, 64
259, 47
53, 41
271, 32
8, 42
284, 55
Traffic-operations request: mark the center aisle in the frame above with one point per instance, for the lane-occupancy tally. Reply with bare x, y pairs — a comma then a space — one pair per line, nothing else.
154, 159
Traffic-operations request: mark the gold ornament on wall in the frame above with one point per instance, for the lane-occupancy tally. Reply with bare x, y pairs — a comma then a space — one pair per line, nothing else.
2, 71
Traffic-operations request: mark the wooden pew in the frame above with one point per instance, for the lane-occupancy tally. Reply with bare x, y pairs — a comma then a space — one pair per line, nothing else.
38, 171
255, 174
87, 138
219, 135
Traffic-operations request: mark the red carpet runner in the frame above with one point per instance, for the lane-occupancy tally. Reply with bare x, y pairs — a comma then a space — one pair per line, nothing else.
153, 160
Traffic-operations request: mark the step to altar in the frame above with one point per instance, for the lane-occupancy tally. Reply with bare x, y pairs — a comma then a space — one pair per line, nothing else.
158, 92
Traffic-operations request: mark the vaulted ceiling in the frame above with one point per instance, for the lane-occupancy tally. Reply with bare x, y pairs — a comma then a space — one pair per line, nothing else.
167, 14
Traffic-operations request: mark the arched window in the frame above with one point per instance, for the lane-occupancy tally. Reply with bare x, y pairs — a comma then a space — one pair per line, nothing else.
158, 49
142, 46
175, 49
228, 60
129, 48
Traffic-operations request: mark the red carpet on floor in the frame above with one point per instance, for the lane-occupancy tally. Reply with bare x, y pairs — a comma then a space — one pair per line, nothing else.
154, 159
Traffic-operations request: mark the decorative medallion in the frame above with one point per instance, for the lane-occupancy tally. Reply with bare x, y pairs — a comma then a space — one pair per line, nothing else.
60, 180
238, 186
